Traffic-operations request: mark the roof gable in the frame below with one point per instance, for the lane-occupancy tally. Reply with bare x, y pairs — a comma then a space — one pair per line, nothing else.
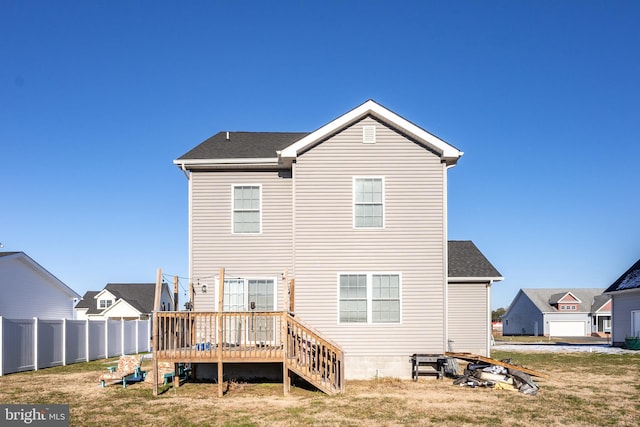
269, 150
32, 264
630, 280
118, 306
563, 297
447, 152
139, 295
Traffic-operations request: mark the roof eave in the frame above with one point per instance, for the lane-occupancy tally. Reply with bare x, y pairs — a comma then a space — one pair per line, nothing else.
622, 291
475, 279
240, 163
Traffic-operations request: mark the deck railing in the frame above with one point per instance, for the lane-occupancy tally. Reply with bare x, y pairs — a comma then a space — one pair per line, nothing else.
191, 336
205, 336
313, 357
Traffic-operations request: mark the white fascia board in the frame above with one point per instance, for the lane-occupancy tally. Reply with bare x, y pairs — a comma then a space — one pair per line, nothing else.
446, 151
102, 292
474, 279
217, 163
118, 303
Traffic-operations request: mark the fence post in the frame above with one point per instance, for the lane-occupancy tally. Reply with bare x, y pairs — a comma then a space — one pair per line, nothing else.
64, 342
149, 328
1, 346
35, 343
106, 338
137, 335
86, 339
122, 336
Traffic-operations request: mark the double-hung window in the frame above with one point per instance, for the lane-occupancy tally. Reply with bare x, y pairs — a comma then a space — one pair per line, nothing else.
369, 298
247, 209
368, 202
105, 303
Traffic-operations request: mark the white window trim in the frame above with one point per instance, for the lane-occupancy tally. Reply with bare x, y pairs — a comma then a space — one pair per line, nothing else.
246, 294
108, 303
353, 203
233, 208
369, 275
632, 330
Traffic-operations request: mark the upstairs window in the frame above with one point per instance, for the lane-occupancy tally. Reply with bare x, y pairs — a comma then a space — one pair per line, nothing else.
247, 209
368, 202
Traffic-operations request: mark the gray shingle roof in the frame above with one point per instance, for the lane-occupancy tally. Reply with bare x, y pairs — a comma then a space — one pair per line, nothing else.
466, 260
629, 280
87, 301
543, 297
243, 145
140, 295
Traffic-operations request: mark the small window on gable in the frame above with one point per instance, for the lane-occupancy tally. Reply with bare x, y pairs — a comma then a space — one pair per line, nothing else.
105, 303
368, 134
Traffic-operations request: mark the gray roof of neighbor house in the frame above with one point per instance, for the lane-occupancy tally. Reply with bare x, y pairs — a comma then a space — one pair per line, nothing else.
243, 145
629, 280
141, 296
543, 298
466, 260
89, 303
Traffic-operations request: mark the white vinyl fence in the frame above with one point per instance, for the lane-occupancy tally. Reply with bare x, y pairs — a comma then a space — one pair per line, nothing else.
32, 344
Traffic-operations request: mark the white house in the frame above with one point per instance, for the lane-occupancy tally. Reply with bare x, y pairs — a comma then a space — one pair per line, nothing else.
29, 290
122, 301
558, 312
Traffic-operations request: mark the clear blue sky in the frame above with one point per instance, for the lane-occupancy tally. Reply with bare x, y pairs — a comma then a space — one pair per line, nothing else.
98, 97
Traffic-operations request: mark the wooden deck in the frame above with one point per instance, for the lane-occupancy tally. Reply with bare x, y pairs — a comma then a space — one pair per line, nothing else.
249, 337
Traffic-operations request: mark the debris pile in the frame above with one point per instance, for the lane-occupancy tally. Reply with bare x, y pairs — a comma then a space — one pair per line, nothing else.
500, 374
483, 374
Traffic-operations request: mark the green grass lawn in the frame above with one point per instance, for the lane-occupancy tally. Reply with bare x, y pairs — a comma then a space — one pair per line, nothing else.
583, 389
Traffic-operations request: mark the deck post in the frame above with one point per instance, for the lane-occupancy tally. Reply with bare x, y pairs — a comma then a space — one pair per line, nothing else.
286, 379
220, 331
155, 337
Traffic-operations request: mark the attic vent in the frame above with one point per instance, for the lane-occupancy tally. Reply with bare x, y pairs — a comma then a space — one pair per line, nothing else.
368, 134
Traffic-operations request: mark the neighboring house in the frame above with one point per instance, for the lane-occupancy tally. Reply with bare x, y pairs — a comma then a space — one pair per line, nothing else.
356, 212
625, 293
122, 301
28, 290
558, 312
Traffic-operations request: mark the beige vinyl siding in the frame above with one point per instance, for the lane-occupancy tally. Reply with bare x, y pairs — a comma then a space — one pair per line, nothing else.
263, 255
468, 302
412, 242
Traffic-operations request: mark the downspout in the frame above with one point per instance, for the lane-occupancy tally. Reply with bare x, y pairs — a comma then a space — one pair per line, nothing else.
184, 170
490, 332
190, 226
445, 267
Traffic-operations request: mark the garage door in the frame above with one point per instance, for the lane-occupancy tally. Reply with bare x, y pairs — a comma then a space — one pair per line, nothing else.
567, 329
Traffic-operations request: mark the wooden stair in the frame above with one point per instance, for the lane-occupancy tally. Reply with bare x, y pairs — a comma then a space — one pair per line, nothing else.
316, 359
